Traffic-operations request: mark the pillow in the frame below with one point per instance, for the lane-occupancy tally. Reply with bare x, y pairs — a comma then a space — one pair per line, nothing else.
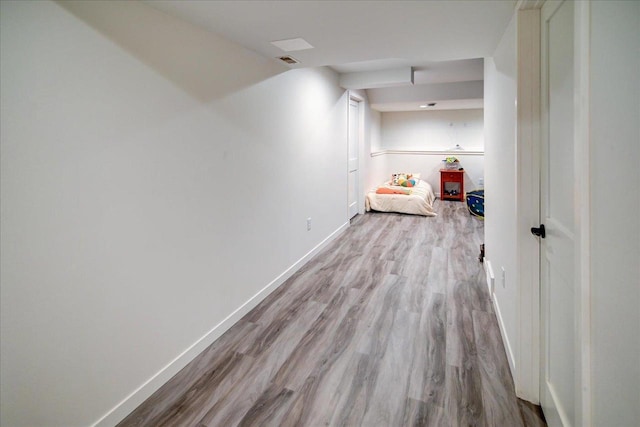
387, 190
405, 179
406, 182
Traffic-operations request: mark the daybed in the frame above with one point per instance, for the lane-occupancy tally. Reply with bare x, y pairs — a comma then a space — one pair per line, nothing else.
417, 199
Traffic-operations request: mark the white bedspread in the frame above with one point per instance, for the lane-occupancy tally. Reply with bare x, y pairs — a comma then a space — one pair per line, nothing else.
419, 202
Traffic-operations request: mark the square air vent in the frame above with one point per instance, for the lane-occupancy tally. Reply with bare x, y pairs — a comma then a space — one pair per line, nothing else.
289, 60
291, 45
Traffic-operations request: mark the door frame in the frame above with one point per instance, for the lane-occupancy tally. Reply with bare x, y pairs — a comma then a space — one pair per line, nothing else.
352, 96
582, 175
527, 372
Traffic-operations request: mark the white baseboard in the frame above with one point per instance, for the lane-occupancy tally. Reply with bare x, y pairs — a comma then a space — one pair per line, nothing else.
505, 338
491, 279
491, 285
131, 402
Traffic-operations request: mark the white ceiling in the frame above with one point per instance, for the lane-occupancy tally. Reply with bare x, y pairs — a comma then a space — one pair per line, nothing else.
353, 36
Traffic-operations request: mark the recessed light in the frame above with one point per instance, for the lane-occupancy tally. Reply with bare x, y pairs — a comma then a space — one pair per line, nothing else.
423, 106
291, 45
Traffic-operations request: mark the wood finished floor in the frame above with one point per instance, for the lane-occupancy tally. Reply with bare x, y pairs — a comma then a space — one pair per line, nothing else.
391, 325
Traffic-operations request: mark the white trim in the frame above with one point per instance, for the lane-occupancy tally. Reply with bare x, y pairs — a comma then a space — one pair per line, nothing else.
582, 166
491, 279
505, 338
429, 152
131, 402
527, 377
565, 420
359, 194
361, 147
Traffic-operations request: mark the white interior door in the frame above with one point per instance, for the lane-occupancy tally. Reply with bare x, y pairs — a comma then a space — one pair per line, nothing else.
558, 289
354, 144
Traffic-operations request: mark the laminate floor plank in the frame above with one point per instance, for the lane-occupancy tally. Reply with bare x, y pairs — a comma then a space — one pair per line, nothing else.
394, 369
437, 276
241, 396
413, 295
531, 414
377, 319
498, 391
292, 375
460, 341
427, 383
463, 395
318, 387
349, 387
349, 400
421, 414
390, 325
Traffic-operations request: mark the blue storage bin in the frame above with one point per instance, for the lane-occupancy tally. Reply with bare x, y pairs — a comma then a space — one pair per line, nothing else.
475, 203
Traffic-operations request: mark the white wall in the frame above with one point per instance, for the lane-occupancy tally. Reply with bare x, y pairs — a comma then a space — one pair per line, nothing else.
500, 181
433, 130
376, 130
378, 170
615, 204
440, 130
154, 178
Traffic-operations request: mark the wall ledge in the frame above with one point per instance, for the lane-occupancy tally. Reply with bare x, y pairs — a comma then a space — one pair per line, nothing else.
429, 152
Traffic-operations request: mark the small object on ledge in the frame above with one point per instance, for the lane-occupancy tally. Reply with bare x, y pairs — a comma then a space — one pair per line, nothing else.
451, 163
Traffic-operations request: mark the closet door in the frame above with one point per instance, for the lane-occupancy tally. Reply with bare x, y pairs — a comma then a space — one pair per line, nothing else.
557, 250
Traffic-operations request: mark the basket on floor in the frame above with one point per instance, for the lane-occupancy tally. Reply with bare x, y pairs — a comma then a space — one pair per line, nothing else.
475, 203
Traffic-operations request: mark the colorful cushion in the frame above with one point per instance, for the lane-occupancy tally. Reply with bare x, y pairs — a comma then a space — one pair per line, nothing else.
407, 182
405, 179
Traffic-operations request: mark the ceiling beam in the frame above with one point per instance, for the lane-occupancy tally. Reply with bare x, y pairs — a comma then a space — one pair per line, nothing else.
377, 79
428, 92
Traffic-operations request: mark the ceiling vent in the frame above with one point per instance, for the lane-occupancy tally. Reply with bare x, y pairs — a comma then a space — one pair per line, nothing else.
290, 45
289, 60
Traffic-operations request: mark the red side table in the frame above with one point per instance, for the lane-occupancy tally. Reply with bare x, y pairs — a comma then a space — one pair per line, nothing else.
452, 184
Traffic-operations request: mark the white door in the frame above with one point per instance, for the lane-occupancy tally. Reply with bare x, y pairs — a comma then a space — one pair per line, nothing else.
558, 289
354, 143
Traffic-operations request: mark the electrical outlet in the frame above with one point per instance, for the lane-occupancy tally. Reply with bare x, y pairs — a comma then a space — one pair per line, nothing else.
309, 224
504, 278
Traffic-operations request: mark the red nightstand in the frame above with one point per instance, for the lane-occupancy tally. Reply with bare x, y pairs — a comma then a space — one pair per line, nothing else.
452, 184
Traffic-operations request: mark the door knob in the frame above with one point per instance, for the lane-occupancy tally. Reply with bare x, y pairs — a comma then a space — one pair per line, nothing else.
538, 231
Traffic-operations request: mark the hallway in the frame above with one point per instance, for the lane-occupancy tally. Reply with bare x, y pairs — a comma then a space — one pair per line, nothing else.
390, 325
